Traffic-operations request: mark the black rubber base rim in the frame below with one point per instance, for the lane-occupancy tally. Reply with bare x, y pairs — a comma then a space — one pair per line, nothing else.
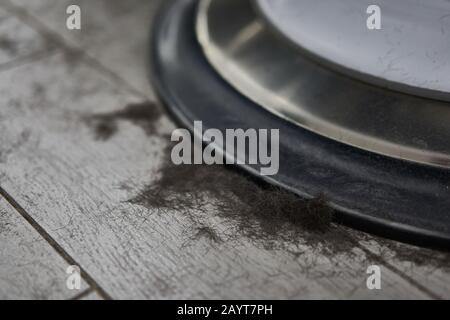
389, 197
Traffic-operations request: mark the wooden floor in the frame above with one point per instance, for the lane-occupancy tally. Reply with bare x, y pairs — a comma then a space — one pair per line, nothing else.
65, 190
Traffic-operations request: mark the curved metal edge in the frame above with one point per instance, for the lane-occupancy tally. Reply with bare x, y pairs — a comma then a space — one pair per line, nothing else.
243, 82
365, 77
377, 226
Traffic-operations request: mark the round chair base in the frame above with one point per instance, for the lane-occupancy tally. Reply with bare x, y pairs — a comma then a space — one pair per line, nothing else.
269, 71
391, 197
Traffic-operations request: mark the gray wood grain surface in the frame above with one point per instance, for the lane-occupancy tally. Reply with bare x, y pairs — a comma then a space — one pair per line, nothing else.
92, 296
29, 267
76, 184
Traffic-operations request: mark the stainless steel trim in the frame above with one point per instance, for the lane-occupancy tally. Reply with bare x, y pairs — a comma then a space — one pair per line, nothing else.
273, 74
410, 53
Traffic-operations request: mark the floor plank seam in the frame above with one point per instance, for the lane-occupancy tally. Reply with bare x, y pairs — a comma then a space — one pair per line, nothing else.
55, 38
83, 294
395, 270
54, 244
31, 58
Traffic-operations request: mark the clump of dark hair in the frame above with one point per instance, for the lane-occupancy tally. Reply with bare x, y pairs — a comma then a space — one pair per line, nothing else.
260, 211
264, 213
143, 114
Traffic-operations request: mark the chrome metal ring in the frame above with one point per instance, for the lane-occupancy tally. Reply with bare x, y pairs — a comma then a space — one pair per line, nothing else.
260, 65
